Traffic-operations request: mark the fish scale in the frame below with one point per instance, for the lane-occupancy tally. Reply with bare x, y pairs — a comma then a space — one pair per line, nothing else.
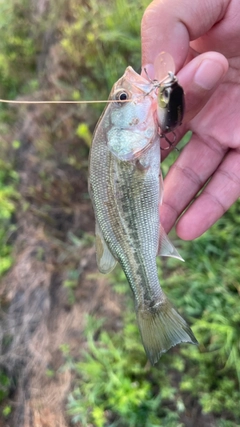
133, 220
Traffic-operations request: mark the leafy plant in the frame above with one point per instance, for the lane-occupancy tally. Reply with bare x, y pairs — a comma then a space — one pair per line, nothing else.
8, 197
117, 388
100, 41
17, 57
115, 385
212, 277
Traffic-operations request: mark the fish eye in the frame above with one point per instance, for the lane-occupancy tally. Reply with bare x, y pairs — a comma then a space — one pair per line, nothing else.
121, 95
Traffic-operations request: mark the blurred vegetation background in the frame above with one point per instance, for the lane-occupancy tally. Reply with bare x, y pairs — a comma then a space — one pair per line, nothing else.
70, 349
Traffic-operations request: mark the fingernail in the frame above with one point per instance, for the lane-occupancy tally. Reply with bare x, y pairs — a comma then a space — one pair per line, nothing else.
148, 71
208, 74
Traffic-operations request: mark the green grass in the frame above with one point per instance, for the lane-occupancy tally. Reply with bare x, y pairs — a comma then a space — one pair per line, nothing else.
100, 42
117, 388
8, 198
17, 48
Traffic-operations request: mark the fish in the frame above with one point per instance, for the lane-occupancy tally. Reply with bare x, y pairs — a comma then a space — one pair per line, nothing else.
125, 187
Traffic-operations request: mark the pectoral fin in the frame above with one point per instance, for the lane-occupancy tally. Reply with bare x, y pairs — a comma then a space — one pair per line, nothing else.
105, 261
166, 247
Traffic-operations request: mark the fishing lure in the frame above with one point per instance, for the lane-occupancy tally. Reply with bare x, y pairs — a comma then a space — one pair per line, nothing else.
171, 102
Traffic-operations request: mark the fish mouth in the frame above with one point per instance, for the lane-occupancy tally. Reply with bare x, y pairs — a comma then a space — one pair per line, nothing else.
139, 82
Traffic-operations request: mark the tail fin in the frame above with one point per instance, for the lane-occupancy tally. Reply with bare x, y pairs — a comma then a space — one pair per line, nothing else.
161, 328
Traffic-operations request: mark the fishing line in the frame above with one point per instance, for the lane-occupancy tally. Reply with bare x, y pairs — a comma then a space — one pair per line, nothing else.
9, 101
101, 101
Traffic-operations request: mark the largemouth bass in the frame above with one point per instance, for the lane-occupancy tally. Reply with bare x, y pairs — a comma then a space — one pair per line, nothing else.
125, 189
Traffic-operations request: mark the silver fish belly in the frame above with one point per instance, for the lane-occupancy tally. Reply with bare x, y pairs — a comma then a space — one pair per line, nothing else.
125, 190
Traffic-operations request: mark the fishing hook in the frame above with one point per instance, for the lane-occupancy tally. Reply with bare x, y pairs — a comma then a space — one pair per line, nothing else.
170, 143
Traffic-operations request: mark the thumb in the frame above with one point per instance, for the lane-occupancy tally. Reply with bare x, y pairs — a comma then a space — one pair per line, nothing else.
199, 79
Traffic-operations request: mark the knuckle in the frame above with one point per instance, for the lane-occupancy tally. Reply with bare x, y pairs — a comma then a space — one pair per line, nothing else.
190, 174
214, 200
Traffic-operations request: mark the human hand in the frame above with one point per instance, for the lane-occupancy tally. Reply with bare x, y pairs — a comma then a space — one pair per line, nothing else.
203, 38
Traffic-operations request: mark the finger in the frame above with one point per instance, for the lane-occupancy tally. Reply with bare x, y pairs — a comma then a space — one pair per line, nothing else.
221, 192
224, 35
197, 162
169, 25
199, 79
